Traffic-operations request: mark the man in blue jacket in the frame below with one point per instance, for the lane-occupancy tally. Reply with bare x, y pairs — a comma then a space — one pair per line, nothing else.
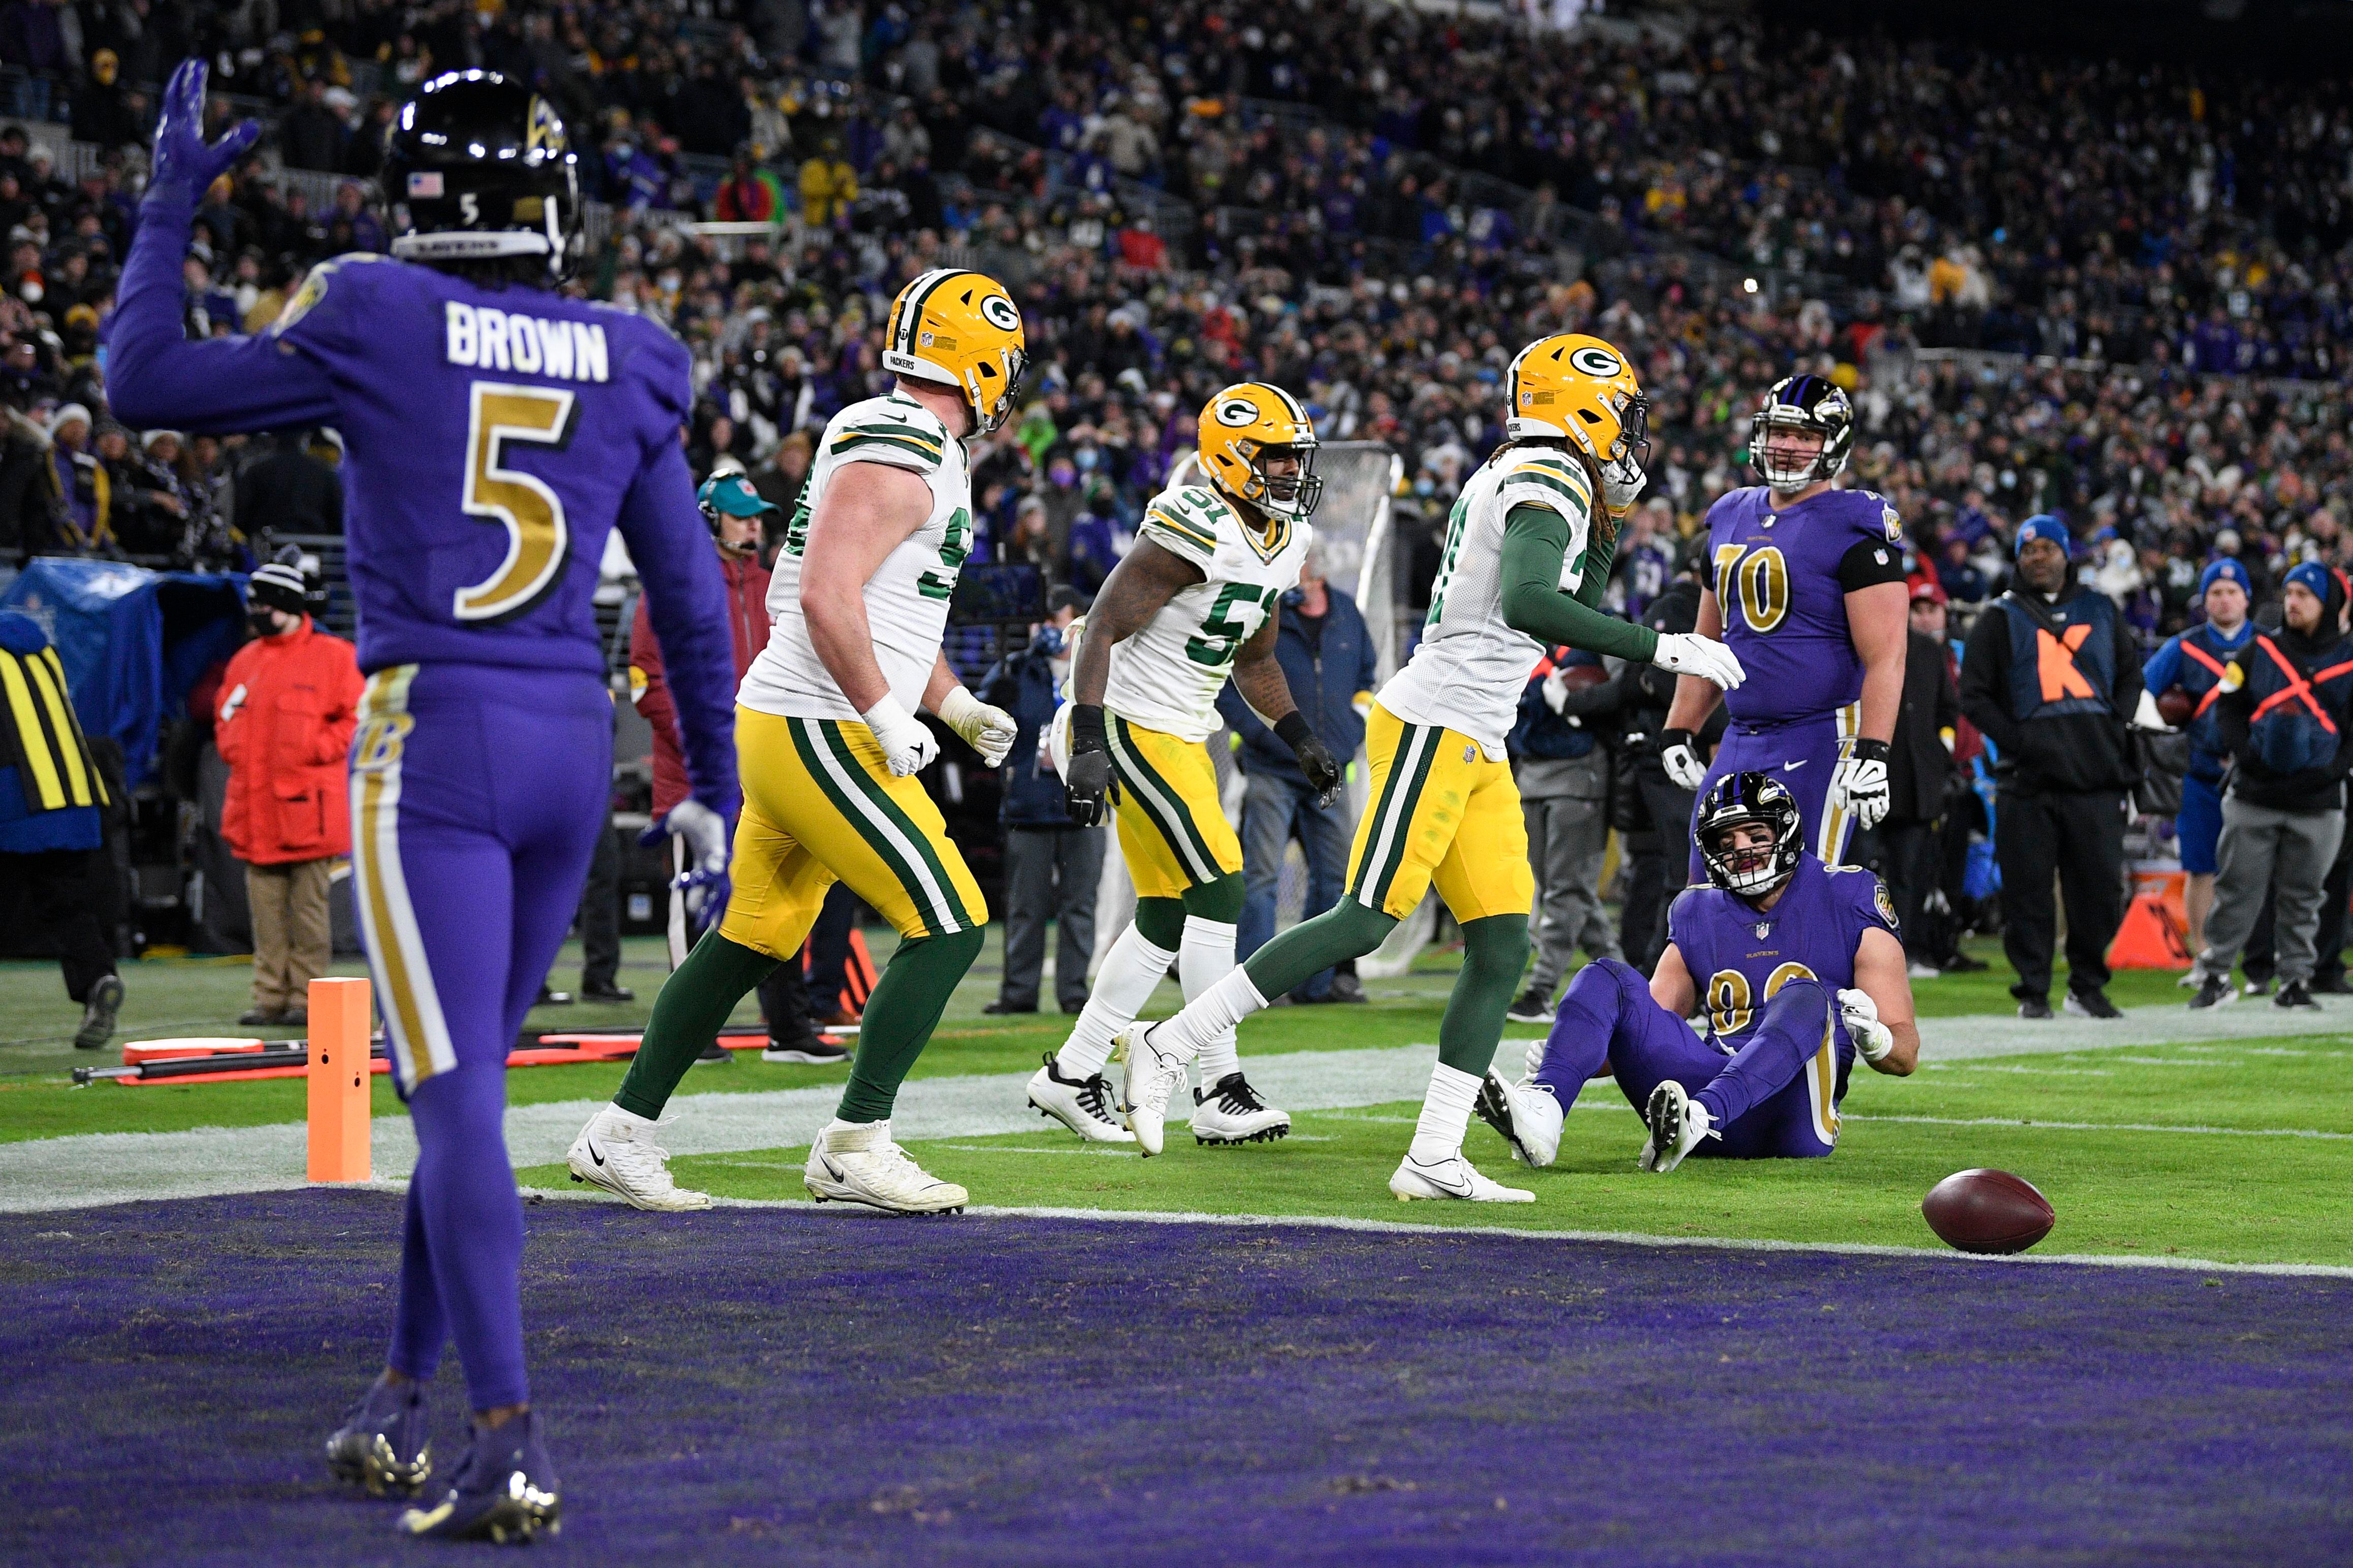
1052, 865
50, 797
1329, 662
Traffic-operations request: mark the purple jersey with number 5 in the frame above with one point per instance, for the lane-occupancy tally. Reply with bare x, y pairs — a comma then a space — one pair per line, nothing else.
1738, 958
495, 437
1781, 578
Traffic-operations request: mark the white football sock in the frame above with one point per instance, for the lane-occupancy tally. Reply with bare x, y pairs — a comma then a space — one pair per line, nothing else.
1215, 1013
1445, 1114
1206, 956
1129, 971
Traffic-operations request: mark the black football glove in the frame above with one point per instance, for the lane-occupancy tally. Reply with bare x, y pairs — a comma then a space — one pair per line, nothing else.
1316, 758
1087, 779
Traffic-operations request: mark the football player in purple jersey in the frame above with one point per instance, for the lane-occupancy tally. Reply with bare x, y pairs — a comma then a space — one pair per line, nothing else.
1800, 970
496, 432
1807, 588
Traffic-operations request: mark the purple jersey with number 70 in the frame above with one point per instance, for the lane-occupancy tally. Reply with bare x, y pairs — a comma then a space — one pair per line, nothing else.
1781, 578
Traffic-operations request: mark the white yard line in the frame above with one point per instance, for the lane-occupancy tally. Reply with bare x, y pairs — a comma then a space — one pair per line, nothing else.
2103, 1126
89, 1169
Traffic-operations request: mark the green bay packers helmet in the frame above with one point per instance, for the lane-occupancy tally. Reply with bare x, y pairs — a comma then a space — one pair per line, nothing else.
1580, 389
1244, 425
960, 329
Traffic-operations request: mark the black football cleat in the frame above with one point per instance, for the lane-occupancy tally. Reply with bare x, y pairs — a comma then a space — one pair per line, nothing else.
381, 1445
2090, 1003
505, 1491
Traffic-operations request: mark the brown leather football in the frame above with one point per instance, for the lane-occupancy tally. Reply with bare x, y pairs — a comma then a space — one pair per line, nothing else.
1988, 1211
2175, 706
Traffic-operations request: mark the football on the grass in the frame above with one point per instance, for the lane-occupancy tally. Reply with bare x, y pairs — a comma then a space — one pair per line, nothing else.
1988, 1211
2175, 706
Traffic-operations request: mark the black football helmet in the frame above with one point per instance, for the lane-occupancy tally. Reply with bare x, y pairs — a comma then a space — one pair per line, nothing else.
1803, 402
482, 170
1746, 797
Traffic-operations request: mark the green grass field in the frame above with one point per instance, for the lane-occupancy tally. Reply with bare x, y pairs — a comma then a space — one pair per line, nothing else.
2189, 1150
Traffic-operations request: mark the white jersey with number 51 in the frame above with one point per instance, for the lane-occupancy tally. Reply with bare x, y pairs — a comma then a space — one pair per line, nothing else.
1166, 677
907, 597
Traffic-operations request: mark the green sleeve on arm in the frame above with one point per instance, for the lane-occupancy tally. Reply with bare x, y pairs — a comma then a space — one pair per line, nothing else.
1535, 537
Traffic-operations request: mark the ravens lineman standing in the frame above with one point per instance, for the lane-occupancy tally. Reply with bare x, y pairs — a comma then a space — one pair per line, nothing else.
1527, 554
1800, 970
1807, 587
830, 747
496, 433
1193, 601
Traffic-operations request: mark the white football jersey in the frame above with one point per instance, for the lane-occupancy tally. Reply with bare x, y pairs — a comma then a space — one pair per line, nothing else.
1472, 667
907, 597
1167, 674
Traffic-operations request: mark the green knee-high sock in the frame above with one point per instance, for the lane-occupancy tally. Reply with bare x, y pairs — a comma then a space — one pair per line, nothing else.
1162, 922
1220, 900
901, 1016
1494, 950
1347, 930
688, 1015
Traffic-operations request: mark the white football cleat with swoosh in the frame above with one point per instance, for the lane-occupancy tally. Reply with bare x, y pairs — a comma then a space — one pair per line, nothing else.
619, 1154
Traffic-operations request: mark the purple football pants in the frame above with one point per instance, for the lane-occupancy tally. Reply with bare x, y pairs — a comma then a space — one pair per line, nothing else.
1804, 755
477, 796
1776, 1098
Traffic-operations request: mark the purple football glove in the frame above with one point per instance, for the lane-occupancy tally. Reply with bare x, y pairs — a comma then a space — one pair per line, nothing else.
185, 164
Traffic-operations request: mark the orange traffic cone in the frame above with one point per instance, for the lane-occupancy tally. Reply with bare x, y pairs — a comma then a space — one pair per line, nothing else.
2152, 936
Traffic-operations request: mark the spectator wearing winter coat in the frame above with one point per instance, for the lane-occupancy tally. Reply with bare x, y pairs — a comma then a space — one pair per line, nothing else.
290, 702
1331, 666
1052, 865
2288, 728
51, 800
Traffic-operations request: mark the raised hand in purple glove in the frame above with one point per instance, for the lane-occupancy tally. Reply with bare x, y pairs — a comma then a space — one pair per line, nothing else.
185, 163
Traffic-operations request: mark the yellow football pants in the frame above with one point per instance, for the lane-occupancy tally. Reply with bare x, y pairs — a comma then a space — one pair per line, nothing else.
820, 807
1440, 811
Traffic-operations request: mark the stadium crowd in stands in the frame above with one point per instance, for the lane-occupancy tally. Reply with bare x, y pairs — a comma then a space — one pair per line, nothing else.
886, 138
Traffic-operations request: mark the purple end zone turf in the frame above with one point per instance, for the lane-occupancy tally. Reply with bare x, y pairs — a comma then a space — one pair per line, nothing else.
770, 1386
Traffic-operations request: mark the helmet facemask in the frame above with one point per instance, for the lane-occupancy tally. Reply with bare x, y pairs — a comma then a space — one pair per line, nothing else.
1623, 471
1294, 496
1748, 872
994, 391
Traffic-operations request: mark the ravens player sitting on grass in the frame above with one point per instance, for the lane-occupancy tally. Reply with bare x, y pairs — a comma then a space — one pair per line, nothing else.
1803, 972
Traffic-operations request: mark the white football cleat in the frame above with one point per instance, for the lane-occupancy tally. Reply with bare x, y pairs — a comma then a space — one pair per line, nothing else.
620, 1156
860, 1165
1526, 1114
1678, 1124
1081, 1104
1229, 1111
1452, 1177
1153, 1074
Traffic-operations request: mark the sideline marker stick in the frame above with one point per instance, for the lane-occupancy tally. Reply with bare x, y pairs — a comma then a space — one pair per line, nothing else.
340, 1013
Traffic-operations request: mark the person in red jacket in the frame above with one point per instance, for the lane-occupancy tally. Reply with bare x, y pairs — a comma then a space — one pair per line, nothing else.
733, 509
289, 706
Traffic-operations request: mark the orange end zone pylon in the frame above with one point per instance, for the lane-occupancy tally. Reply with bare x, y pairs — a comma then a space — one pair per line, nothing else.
341, 1011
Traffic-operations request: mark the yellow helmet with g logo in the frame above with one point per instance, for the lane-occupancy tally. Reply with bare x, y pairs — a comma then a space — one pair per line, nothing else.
961, 329
1240, 428
1576, 388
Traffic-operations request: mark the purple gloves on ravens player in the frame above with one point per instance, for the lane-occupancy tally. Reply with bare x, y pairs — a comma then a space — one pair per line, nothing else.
1860, 783
1316, 758
704, 880
185, 164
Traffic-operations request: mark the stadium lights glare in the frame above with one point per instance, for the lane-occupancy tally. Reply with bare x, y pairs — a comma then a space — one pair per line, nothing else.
1749, 284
